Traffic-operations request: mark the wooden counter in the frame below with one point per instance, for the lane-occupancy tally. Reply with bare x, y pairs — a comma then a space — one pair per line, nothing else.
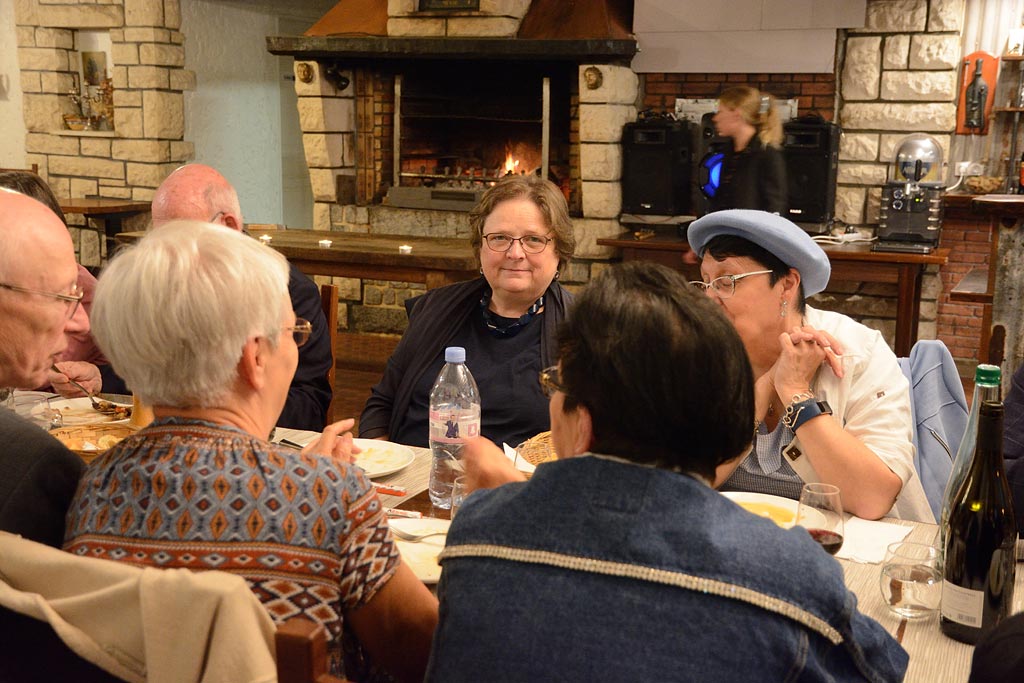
850, 263
111, 211
434, 262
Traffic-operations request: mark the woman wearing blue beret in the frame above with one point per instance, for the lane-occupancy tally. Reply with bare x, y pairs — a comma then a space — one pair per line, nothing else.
832, 405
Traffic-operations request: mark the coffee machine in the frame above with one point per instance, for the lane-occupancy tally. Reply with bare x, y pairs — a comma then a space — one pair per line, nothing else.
910, 216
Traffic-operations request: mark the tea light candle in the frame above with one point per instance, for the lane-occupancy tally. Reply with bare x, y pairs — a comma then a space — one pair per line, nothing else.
265, 239
325, 244
404, 249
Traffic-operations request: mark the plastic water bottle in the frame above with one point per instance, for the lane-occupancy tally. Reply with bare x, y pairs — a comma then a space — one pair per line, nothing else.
454, 417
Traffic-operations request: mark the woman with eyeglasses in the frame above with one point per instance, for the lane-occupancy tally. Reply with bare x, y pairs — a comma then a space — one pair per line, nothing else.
505, 320
832, 405
200, 322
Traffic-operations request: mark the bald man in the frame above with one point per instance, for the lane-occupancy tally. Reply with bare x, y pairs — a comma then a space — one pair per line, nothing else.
39, 306
199, 192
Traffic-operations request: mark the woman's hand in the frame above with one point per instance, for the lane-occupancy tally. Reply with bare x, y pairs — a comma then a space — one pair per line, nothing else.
335, 442
486, 465
86, 374
803, 351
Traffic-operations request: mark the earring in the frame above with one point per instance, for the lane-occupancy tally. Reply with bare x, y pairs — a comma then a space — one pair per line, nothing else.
785, 305
481, 270
558, 274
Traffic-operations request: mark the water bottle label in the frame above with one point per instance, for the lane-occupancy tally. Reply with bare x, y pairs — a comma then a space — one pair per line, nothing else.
454, 426
962, 605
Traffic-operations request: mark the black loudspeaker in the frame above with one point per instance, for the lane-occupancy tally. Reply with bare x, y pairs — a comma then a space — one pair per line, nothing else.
657, 166
811, 150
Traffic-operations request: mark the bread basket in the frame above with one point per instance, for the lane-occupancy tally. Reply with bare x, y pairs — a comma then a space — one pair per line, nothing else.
88, 441
537, 449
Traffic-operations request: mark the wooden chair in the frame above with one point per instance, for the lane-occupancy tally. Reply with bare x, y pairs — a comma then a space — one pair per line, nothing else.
302, 653
34, 168
329, 302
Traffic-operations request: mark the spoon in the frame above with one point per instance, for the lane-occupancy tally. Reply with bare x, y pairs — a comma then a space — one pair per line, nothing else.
416, 535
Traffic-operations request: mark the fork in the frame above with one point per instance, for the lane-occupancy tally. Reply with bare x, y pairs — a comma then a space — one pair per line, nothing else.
95, 404
416, 535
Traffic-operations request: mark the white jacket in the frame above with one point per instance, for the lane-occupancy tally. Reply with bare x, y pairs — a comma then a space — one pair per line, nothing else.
871, 402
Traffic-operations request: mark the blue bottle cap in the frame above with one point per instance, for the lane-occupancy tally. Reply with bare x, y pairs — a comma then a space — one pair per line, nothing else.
455, 354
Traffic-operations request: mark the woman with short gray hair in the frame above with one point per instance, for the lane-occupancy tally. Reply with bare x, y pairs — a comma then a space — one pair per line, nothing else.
198, 321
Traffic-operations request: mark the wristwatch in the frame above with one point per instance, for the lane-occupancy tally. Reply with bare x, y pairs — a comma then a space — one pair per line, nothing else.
800, 411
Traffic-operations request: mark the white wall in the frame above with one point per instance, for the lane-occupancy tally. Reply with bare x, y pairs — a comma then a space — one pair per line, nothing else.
12, 123
741, 36
234, 116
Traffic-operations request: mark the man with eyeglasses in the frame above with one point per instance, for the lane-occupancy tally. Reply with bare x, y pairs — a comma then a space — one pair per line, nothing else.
38, 307
199, 192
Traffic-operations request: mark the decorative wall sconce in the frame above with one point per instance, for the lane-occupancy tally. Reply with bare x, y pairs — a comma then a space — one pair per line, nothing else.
333, 74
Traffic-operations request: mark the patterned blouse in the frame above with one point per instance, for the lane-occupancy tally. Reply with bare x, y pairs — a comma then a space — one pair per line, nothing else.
308, 533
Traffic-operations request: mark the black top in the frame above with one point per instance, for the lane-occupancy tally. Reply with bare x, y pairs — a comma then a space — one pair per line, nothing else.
754, 178
513, 407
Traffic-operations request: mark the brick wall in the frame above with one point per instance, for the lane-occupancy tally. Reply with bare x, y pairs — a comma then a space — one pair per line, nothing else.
959, 324
816, 92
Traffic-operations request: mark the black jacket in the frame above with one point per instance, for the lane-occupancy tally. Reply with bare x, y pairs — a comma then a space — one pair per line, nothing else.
754, 178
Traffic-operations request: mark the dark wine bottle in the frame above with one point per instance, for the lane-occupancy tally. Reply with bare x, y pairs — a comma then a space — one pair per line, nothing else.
978, 575
975, 96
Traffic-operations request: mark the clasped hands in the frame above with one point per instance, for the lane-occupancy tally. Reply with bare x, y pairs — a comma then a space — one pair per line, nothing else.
802, 351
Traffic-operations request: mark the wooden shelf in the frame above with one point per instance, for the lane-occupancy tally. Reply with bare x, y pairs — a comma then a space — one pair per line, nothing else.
1012, 58
973, 288
1008, 109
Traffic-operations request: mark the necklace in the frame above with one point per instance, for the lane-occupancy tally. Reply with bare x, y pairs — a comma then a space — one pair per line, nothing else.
494, 324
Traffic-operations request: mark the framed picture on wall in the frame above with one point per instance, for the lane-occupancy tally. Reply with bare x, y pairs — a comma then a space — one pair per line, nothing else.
94, 67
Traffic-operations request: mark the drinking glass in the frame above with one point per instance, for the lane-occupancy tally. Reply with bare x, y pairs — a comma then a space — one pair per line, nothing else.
459, 493
910, 580
821, 512
36, 409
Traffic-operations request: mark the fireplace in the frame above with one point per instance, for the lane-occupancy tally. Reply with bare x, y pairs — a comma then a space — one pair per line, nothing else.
409, 114
455, 136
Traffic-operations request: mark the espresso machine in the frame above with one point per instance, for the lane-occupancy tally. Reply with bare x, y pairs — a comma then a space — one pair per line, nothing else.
910, 216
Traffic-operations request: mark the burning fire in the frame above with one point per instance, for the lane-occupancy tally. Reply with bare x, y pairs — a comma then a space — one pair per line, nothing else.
511, 163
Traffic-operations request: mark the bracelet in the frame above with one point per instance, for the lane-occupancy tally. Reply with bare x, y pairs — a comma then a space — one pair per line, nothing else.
801, 409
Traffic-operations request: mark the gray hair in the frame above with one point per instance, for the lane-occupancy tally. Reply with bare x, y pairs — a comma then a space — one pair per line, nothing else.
173, 312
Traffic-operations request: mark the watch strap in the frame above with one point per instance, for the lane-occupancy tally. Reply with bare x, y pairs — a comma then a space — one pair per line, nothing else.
798, 412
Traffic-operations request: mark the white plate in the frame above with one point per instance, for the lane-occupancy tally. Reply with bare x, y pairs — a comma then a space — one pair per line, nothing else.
382, 457
79, 411
780, 510
421, 556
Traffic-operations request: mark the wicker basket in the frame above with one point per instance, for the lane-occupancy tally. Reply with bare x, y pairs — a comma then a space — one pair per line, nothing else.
102, 436
538, 449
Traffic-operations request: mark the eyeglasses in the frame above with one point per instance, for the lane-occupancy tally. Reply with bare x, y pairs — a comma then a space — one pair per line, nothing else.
725, 286
532, 244
215, 217
551, 381
300, 331
70, 300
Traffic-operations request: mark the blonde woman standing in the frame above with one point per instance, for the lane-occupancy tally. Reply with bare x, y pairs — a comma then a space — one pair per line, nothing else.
753, 171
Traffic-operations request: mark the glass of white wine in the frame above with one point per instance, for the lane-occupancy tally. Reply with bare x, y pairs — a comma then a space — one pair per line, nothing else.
821, 512
910, 579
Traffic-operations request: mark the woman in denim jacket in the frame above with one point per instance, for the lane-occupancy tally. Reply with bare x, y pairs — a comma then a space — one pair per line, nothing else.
619, 561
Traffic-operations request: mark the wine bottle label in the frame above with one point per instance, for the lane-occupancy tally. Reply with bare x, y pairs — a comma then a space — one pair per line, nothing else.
453, 426
962, 605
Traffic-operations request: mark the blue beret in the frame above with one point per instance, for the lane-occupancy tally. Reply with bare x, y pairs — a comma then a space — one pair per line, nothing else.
777, 235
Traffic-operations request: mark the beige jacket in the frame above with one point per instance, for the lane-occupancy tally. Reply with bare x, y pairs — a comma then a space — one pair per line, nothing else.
156, 625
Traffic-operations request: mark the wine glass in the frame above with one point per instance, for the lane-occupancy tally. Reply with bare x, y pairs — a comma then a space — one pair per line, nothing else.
910, 579
459, 493
821, 512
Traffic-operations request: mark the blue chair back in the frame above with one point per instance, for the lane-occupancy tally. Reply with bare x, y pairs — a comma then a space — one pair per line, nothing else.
939, 410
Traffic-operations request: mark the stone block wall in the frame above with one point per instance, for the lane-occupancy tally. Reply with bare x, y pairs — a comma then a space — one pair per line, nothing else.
898, 75
147, 54
495, 19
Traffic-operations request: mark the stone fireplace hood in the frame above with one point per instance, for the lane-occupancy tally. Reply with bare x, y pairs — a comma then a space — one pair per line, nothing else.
552, 30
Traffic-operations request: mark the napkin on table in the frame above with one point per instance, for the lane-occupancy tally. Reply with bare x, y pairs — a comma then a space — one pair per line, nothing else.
865, 541
521, 464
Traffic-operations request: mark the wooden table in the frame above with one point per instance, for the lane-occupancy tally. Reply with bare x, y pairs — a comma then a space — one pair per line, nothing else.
850, 263
434, 262
933, 656
111, 211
